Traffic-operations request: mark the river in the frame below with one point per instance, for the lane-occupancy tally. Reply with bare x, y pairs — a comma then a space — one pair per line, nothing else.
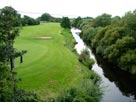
118, 85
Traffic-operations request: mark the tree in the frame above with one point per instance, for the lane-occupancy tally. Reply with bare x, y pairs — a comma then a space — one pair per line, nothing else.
77, 22
48, 18
128, 61
9, 30
26, 20
45, 17
115, 20
130, 20
102, 20
114, 39
88, 33
65, 22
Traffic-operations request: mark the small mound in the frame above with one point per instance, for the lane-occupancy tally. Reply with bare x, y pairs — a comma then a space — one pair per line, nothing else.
43, 37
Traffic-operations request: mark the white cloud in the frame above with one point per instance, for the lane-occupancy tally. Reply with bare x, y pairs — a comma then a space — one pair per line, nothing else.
71, 7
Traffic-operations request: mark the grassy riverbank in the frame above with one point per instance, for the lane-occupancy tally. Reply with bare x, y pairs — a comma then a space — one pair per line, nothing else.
49, 66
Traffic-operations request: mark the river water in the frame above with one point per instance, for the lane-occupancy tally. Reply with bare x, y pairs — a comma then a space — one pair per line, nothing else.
118, 86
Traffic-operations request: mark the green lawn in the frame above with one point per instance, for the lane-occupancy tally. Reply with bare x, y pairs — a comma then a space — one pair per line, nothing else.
48, 65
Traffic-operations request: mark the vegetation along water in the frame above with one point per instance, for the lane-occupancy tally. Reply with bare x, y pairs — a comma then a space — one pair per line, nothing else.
113, 42
38, 62
119, 88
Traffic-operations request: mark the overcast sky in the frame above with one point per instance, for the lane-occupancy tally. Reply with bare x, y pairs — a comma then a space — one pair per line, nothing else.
71, 8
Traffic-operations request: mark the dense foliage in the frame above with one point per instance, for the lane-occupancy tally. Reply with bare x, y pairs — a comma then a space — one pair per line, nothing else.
84, 58
26, 20
76, 22
113, 38
25, 96
46, 17
9, 30
87, 90
102, 20
65, 22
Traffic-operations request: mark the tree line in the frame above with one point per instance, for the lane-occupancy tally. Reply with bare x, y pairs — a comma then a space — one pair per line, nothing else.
45, 17
10, 23
113, 38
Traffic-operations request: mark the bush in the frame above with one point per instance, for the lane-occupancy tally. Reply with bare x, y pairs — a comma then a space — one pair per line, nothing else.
25, 96
75, 95
87, 90
84, 58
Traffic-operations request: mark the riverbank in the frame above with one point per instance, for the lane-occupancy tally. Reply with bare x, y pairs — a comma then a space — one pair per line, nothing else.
119, 85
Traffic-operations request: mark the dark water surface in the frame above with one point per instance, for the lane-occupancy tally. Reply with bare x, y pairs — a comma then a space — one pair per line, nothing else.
119, 86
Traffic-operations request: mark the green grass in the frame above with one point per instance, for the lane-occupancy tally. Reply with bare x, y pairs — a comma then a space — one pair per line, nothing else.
48, 65
68, 38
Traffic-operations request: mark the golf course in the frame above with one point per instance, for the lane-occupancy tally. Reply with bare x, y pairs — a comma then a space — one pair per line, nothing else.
67, 51
49, 65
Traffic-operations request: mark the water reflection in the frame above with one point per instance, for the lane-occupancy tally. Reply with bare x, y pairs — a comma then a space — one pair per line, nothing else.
124, 81
120, 86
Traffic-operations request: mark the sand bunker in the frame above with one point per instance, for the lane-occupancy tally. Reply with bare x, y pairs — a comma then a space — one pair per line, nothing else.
43, 37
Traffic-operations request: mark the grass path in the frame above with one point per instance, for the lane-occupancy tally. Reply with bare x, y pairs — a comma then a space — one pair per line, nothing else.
48, 65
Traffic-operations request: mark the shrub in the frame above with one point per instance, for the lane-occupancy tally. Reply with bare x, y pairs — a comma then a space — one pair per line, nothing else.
84, 58
25, 96
87, 90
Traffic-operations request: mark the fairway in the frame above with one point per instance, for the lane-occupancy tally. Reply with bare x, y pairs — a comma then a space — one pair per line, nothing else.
48, 65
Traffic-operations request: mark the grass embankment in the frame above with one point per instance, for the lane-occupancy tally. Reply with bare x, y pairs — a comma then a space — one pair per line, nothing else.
69, 40
49, 66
